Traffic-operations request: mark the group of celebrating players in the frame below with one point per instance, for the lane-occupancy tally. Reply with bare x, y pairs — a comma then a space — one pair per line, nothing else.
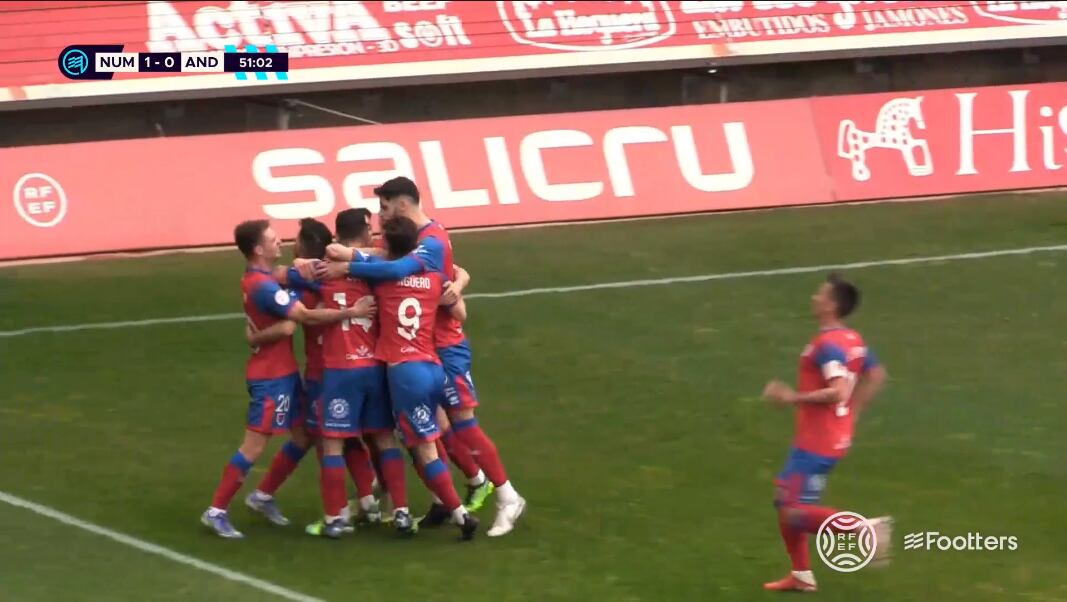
387, 364
386, 354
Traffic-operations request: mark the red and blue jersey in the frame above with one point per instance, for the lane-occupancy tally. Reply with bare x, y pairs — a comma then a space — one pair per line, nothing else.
406, 311
313, 336
826, 429
350, 343
448, 331
267, 303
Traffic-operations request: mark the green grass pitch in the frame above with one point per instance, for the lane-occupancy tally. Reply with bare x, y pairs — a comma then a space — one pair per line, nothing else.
628, 417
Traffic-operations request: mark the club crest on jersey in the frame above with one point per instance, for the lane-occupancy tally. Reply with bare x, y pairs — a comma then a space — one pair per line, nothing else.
338, 408
281, 297
421, 416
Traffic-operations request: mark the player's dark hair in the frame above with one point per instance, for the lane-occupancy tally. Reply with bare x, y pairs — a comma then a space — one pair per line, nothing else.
247, 235
314, 236
398, 187
845, 294
352, 223
401, 236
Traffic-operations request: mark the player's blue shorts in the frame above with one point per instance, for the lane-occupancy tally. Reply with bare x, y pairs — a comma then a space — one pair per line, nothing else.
351, 402
803, 478
459, 388
416, 390
273, 403
312, 389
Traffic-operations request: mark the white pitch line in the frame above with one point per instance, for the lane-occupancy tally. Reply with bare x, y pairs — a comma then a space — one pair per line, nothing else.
123, 324
152, 548
587, 287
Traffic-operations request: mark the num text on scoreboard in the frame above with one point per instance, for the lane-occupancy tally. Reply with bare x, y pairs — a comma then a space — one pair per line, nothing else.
191, 62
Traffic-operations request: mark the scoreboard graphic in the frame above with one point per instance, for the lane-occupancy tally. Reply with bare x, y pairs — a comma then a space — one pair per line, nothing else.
88, 62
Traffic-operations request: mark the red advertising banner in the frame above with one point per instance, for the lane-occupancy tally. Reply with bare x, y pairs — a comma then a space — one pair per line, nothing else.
179, 192
943, 142
331, 42
150, 193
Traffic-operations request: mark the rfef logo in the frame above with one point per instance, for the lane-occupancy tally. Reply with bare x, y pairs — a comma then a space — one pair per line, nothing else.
40, 200
846, 542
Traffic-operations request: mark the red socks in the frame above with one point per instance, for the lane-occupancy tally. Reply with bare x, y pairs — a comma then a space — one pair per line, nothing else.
460, 454
357, 458
796, 544
482, 448
795, 533
814, 517
435, 475
233, 475
283, 465
332, 485
392, 466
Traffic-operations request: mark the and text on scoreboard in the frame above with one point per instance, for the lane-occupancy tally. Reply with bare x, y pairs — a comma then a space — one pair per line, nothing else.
103, 61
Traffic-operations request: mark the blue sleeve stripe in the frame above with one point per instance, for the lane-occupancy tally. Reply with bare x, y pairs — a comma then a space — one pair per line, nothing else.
829, 352
295, 280
870, 362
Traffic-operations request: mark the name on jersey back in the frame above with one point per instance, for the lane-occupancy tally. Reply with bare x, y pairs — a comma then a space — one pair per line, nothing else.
422, 282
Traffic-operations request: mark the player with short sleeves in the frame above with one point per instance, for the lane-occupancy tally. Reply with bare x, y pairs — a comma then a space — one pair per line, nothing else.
468, 444
311, 242
271, 373
836, 378
416, 381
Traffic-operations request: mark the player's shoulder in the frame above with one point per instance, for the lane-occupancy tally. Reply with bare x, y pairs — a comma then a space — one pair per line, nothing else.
434, 230
841, 337
253, 279
356, 284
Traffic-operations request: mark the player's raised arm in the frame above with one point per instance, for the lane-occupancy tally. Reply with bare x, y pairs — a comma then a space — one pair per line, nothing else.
427, 257
458, 310
372, 251
454, 290
300, 276
364, 308
270, 298
871, 382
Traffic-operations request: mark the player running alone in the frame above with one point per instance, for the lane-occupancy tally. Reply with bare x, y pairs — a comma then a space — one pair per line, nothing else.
272, 373
399, 197
837, 377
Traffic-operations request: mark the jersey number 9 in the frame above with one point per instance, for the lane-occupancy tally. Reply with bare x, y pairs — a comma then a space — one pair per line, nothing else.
409, 325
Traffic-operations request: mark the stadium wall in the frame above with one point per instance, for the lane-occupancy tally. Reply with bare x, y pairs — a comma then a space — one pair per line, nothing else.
532, 96
190, 191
